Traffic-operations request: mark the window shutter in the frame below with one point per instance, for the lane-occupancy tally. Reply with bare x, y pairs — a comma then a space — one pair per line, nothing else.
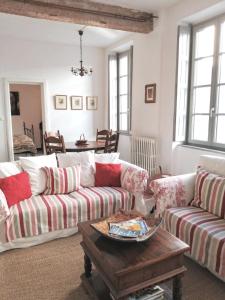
183, 57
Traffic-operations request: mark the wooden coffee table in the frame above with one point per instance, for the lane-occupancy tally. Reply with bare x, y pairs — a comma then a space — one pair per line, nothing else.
123, 268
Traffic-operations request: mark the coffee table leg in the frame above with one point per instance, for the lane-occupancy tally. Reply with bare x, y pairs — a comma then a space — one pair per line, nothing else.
177, 288
87, 266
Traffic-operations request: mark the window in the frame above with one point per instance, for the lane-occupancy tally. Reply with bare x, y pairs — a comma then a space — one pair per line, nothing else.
120, 70
202, 105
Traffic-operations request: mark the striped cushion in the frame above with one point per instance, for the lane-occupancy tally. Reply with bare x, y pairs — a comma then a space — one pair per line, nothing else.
62, 180
203, 232
46, 213
210, 193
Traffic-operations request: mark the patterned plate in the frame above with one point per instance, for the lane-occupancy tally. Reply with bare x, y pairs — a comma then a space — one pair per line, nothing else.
103, 226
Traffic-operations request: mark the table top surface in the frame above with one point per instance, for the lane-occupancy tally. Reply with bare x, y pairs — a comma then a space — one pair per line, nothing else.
122, 257
91, 145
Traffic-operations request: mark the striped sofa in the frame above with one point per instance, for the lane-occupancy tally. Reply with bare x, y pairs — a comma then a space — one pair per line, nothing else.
193, 207
45, 217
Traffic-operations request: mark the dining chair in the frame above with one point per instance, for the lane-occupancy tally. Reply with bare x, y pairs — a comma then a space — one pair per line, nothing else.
111, 144
102, 135
54, 143
53, 133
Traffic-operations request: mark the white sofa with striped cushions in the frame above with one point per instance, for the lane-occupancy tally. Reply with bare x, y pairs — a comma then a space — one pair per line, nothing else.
46, 217
200, 222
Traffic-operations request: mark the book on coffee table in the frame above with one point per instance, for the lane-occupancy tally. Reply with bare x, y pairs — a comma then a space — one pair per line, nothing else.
152, 293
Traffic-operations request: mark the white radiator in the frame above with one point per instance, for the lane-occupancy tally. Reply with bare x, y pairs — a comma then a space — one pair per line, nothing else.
144, 153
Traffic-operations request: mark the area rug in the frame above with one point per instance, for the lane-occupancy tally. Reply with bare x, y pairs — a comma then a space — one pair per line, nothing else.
52, 272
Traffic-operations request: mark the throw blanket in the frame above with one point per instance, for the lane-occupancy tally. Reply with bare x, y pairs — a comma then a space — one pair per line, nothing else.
46, 213
23, 143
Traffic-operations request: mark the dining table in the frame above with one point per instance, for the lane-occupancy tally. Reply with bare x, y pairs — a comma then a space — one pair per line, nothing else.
90, 145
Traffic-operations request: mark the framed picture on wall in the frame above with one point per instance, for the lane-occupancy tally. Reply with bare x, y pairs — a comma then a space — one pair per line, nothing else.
92, 102
150, 93
15, 103
76, 102
60, 102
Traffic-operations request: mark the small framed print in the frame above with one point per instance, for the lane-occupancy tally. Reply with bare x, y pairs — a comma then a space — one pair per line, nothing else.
150, 93
76, 102
15, 103
92, 102
60, 102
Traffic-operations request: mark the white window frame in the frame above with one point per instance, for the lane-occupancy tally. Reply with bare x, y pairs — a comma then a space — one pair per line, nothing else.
118, 56
210, 143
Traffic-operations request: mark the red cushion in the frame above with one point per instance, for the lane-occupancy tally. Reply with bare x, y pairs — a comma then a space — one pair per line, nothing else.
107, 174
16, 188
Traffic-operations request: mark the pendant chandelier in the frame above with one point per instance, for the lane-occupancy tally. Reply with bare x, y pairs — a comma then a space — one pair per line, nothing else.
82, 71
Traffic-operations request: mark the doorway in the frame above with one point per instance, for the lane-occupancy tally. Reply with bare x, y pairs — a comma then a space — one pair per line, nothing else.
26, 118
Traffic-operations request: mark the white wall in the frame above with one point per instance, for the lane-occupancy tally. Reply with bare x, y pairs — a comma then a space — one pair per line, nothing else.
21, 60
186, 159
146, 70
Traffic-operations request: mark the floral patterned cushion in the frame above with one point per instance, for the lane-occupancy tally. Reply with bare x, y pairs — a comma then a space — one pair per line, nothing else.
4, 209
133, 179
173, 191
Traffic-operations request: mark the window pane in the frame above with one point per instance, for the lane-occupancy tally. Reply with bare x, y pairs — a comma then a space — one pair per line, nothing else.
220, 135
123, 122
113, 92
124, 85
123, 103
203, 71
123, 65
205, 41
221, 99
200, 125
222, 38
201, 100
182, 81
221, 75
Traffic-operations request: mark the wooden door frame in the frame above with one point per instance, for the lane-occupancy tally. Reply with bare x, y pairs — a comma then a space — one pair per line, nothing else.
44, 108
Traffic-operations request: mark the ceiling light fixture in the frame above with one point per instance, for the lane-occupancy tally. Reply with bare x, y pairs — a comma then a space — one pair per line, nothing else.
82, 71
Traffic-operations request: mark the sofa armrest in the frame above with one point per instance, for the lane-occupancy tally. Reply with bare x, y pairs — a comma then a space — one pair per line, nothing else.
173, 191
133, 178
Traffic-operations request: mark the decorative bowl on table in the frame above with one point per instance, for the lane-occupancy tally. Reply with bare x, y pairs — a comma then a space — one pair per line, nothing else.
107, 227
81, 142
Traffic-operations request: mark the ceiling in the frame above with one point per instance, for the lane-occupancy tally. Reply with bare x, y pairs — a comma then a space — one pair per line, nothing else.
56, 32
66, 33
145, 5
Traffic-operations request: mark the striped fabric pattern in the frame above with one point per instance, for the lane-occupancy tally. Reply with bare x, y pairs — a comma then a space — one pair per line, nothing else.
62, 180
46, 213
203, 232
210, 193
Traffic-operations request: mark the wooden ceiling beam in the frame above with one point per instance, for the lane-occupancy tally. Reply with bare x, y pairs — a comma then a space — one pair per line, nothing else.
83, 12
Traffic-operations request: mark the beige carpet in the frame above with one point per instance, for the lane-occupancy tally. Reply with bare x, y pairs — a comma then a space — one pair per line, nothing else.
52, 272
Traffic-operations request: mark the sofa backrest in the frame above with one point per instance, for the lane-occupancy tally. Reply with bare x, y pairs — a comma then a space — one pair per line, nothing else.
213, 164
10, 168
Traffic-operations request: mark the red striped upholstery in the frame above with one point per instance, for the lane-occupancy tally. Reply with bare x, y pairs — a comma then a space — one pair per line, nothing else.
46, 213
203, 232
62, 180
210, 193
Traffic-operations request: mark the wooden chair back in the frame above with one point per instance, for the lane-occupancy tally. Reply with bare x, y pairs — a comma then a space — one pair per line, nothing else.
54, 144
111, 144
102, 135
